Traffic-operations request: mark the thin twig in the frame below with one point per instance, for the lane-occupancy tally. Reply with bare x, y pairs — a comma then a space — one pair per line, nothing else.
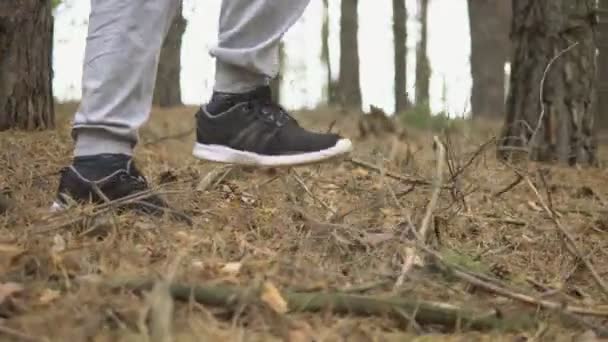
509, 187
436, 189
405, 179
214, 176
542, 92
299, 180
410, 253
476, 154
98, 210
365, 286
571, 242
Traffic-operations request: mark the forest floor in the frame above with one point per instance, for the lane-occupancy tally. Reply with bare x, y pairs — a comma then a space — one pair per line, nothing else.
496, 264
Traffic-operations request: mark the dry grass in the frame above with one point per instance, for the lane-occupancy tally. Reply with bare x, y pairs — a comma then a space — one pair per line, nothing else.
342, 229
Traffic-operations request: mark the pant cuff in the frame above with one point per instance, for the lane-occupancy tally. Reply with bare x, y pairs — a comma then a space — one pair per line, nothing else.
233, 79
91, 142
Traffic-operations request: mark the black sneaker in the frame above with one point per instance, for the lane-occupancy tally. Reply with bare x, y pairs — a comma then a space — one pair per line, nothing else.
250, 129
113, 176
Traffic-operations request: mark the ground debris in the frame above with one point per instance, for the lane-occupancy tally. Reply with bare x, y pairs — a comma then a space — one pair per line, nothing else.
332, 233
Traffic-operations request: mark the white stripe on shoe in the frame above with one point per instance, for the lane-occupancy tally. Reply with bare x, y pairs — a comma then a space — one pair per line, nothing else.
224, 154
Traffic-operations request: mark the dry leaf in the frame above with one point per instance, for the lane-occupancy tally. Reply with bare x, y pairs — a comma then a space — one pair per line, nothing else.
300, 332
58, 244
184, 236
9, 254
274, 299
534, 206
49, 295
92, 279
10, 249
9, 289
527, 238
232, 268
198, 264
361, 172
386, 211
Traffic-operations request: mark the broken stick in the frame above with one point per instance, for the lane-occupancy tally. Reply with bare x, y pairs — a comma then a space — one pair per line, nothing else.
411, 253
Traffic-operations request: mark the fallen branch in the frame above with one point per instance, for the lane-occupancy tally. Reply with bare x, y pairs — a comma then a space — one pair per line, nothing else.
410, 253
495, 287
424, 312
570, 241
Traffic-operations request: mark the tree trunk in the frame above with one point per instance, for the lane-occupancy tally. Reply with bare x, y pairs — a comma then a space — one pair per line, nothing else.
349, 92
602, 88
400, 38
331, 85
544, 34
26, 45
423, 68
167, 92
489, 24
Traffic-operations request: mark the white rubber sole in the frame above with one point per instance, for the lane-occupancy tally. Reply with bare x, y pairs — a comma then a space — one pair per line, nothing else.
227, 155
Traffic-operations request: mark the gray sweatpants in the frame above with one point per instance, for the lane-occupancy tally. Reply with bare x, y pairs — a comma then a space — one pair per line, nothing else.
121, 59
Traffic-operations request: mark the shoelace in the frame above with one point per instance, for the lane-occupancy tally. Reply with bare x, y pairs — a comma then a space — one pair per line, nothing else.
134, 175
270, 111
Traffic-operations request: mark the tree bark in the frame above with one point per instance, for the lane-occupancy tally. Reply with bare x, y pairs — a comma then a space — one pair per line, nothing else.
544, 36
167, 92
400, 38
349, 92
489, 24
26, 44
423, 68
602, 88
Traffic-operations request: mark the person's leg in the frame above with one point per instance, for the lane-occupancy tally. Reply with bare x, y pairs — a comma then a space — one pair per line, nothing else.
241, 124
121, 58
247, 53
